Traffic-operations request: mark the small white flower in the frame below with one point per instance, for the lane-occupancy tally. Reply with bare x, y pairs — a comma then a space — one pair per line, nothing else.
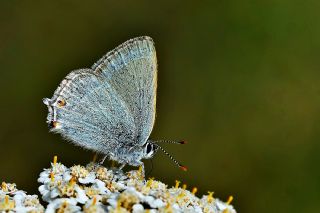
81, 195
19, 197
90, 178
148, 199
44, 176
119, 186
93, 206
66, 176
8, 188
157, 203
28, 209
137, 208
113, 201
58, 168
45, 192
221, 206
193, 209
31, 200
63, 204
101, 186
54, 193
176, 207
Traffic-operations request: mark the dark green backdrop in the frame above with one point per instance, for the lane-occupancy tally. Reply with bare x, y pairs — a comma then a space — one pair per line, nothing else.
240, 80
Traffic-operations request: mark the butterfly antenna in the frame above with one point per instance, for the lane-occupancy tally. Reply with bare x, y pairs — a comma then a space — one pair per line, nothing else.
174, 142
184, 168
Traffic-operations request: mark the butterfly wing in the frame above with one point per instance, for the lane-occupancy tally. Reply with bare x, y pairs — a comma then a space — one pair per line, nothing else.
131, 69
87, 110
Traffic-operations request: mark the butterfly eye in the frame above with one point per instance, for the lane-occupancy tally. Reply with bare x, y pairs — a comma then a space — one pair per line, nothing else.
61, 103
149, 148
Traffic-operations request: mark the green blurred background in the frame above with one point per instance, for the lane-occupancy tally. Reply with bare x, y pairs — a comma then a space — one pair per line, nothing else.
239, 80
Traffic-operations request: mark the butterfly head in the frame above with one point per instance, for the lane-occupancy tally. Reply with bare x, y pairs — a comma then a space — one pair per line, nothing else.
149, 150
151, 147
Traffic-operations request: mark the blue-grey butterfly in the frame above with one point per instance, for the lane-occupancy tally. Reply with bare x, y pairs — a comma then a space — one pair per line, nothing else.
110, 107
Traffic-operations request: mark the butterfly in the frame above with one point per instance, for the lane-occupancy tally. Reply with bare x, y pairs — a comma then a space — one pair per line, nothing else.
110, 107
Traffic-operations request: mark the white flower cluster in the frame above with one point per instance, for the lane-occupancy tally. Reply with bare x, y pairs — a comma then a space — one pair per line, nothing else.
14, 200
95, 188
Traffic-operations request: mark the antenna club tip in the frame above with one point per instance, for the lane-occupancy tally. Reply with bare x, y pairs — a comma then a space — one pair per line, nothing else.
183, 142
184, 168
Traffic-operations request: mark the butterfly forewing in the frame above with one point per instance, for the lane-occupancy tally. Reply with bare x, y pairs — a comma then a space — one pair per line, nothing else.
131, 69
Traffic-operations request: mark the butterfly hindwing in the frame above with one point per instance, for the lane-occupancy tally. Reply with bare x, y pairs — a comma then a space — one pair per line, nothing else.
89, 112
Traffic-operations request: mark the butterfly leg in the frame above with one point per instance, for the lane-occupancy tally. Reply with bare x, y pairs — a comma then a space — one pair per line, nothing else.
122, 166
118, 170
142, 170
103, 159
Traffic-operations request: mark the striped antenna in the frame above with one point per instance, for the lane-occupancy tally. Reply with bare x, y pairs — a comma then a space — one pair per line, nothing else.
174, 160
174, 142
